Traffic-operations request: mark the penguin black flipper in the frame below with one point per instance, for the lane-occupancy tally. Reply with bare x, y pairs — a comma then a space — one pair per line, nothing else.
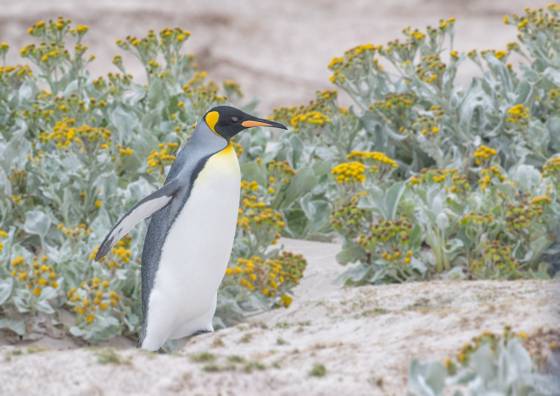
142, 210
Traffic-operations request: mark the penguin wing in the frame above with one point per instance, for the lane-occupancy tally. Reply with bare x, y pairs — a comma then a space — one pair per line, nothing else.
142, 210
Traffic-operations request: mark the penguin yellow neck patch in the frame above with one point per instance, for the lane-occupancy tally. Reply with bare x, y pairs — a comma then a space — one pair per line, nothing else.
212, 119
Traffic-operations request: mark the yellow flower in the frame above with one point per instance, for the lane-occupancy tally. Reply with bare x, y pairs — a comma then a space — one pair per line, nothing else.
36, 291
375, 156
125, 151
483, 153
286, 300
500, 54
335, 63
349, 172
98, 203
18, 260
3, 234
311, 117
90, 318
518, 114
454, 54
541, 199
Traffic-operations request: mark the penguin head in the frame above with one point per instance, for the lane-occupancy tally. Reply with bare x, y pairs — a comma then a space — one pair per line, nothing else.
228, 121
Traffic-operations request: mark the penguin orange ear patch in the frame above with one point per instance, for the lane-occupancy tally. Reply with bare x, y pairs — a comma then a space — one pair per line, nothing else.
212, 119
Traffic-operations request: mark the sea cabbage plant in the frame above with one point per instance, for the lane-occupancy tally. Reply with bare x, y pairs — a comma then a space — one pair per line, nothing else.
431, 177
490, 364
76, 151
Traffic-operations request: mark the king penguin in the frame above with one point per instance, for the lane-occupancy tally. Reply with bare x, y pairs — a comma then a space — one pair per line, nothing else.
191, 231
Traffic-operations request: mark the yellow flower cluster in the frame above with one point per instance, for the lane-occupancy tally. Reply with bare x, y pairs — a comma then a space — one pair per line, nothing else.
483, 154
496, 259
397, 255
477, 218
280, 173
78, 232
389, 239
280, 167
551, 167
3, 235
432, 176
541, 200
196, 80
57, 25
125, 151
431, 69
120, 254
347, 218
159, 159
312, 118
92, 297
520, 217
487, 337
536, 20
373, 156
489, 174
177, 34
254, 214
324, 103
349, 172
65, 133
271, 277
36, 276
17, 71
518, 114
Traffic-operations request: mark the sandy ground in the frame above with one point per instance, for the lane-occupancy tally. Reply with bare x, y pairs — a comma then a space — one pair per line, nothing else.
365, 337
277, 50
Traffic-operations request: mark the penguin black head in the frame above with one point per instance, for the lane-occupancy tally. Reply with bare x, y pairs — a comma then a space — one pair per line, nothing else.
228, 121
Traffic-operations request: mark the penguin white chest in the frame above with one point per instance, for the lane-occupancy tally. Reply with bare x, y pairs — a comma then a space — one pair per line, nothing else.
195, 254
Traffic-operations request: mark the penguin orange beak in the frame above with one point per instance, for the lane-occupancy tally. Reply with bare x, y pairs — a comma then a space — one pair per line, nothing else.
260, 122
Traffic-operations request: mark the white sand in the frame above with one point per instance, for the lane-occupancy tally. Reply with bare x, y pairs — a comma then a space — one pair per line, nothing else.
365, 337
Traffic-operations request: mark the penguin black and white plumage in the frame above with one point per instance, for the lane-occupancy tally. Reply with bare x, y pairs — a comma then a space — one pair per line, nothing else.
192, 227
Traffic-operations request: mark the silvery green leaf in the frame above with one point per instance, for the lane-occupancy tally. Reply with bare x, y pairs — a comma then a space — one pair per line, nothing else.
354, 273
553, 74
253, 171
442, 221
553, 125
392, 198
527, 177
134, 95
482, 361
15, 152
44, 307
37, 223
418, 265
426, 379
17, 326
5, 184
71, 87
6, 286
48, 293
21, 301
350, 253
26, 91
301, 183
124, 122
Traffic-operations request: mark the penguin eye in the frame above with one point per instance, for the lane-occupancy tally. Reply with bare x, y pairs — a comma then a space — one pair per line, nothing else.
235, 119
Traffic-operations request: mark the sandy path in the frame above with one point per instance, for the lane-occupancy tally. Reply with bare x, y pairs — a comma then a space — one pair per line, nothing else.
365, 337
